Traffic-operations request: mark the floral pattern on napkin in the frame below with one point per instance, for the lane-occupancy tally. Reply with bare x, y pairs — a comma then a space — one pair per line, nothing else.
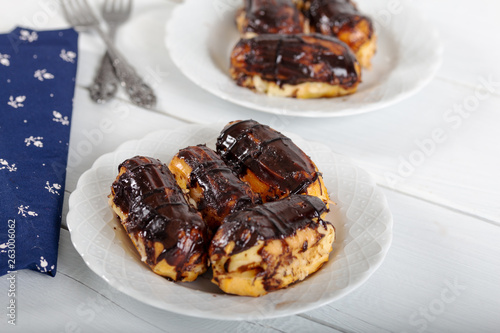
37, 81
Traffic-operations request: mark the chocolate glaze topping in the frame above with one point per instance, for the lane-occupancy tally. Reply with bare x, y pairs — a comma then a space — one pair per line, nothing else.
270, 155
272, 220
158, 212
273, 17
223, 192
330, 16
295, 59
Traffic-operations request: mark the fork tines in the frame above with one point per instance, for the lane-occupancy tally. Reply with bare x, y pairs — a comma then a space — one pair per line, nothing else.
113, 6
78, 13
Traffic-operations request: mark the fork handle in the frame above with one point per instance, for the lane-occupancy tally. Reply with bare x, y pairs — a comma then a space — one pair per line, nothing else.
105, 85
139, 92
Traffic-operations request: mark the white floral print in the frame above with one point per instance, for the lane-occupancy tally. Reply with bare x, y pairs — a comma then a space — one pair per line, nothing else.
16, 102
23, 210
42, 74
58, 118
54, 188
44, 265
4, 59
5, 165
36, 141
68, 56
28, 36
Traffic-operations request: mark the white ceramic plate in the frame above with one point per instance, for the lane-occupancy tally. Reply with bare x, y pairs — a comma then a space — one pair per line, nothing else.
201, 34
362, 220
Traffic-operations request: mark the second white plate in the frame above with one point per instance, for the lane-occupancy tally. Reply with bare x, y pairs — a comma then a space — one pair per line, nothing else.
201, 34
361, 218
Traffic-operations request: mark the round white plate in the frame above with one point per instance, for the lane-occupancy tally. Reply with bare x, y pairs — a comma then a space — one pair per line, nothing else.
201, 34
362, 220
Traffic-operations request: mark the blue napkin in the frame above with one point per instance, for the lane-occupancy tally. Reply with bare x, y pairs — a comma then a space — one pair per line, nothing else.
37, 83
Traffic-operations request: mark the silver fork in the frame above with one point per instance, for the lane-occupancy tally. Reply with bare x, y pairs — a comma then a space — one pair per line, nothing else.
105, 85
79, 14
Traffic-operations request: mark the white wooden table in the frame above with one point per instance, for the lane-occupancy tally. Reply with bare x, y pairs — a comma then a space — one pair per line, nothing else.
442, 273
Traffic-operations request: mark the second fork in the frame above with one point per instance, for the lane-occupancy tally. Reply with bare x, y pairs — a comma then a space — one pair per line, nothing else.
105, 85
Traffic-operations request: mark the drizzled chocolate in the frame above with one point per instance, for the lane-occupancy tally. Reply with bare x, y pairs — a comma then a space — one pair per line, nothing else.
223, 192
272, 220
295, 59
272, 17
158, 212
270, 155
329, 17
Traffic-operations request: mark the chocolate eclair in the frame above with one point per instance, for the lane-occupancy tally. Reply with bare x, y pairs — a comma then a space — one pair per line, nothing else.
342, 19
270, 17
301, 66
269, 161
270, 246
211, 185
170, 236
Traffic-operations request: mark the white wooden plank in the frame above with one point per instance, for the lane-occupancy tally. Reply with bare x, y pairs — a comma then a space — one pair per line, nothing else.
63, 304
440, 275
468, 32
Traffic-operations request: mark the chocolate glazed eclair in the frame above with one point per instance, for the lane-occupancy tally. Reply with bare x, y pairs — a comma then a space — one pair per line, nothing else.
270, 17
342, 19
212, 187
270, 246
269, 161
170, 236
300, 66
